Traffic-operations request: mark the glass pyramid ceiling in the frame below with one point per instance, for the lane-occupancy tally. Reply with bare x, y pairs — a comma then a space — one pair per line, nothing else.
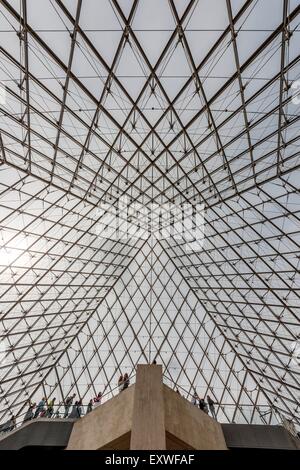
159, 104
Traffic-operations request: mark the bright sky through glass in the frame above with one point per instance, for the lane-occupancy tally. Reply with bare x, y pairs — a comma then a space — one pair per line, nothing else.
164, 102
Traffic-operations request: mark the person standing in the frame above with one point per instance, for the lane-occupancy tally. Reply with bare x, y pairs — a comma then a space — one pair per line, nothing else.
90, 406
201, 404
68, 404
50, 408
205, 409
74, 412
211, 405
195, 398
40, 408
120, 383
79, 408
97, 400
126, 381
29, 413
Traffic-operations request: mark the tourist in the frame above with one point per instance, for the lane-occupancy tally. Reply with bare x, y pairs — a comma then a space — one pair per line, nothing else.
50, 408
126, 381
120, 383
40, 408
97, 400
68, 404
90, 406
195, 398
201, 404
29, 413
79, 408
74, 412
211, 405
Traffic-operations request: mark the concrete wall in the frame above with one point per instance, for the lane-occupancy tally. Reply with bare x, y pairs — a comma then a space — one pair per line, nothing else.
42, 432
188, 426
255, 436
108, 426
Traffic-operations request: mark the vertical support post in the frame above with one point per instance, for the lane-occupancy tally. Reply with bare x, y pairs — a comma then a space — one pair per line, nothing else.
148, 420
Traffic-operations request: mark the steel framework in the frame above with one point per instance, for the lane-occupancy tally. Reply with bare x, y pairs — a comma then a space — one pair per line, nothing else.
164, 102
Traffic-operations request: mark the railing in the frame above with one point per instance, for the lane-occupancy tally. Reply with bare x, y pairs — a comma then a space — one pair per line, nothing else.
59, 410
242, 414
225, 412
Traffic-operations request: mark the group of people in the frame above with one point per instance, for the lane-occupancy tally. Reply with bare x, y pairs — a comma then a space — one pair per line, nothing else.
72, 409
76, 408
207, 407
123, 382
45, 409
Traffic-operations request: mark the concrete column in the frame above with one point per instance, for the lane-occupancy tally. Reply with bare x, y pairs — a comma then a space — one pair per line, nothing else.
148, 420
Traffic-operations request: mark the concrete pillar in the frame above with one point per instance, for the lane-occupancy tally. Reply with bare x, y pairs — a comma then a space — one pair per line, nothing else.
148, 420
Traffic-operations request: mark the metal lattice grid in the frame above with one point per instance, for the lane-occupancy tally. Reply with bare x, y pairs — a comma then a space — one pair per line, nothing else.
193, 105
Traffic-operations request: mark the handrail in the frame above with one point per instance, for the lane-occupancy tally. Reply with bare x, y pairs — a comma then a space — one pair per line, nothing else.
57, 415
261, 410
219, 406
